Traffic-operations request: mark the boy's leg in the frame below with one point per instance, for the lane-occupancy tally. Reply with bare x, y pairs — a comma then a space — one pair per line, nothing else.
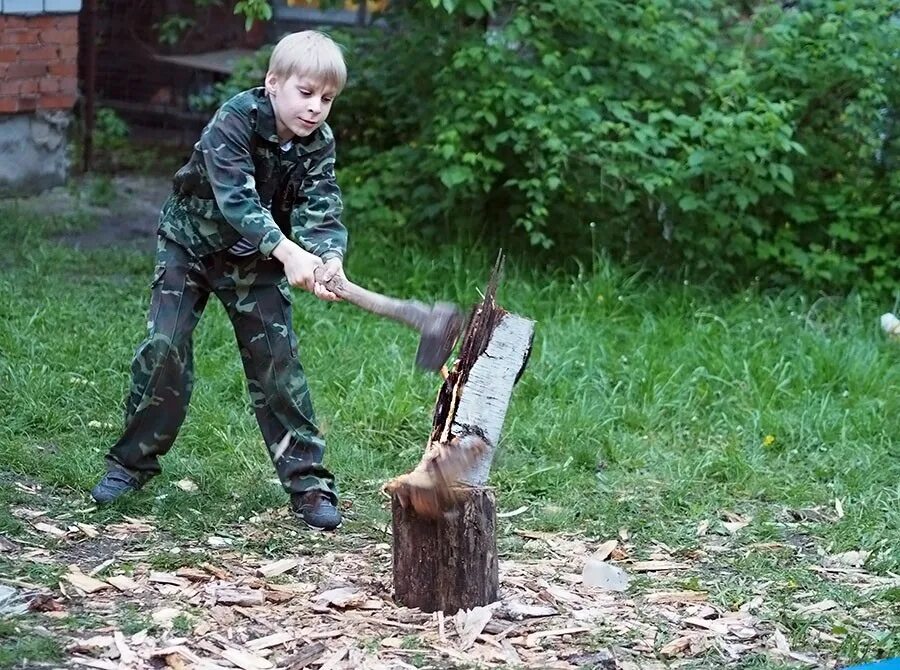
162, 369
258, 301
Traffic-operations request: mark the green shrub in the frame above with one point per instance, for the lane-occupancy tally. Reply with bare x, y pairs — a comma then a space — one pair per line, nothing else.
734, 138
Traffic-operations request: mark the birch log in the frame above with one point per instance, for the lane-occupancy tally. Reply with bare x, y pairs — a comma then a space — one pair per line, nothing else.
450, 563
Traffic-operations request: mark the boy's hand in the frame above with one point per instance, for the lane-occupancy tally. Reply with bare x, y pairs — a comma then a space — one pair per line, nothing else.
299, 265
333, 267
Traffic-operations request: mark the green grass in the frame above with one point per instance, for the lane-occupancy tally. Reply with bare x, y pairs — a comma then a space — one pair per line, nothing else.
646, 405
20, 647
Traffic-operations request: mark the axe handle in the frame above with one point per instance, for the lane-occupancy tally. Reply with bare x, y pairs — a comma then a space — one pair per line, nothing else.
408, 312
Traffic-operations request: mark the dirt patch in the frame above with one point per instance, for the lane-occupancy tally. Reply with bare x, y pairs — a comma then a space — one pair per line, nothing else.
123, 211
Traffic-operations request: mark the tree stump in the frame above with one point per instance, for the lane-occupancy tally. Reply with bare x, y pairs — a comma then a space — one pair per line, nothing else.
449, 563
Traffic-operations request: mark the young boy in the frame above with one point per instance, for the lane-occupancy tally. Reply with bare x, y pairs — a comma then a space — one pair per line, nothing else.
261, 173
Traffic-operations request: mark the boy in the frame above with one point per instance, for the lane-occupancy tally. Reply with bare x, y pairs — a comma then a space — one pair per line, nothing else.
263, 169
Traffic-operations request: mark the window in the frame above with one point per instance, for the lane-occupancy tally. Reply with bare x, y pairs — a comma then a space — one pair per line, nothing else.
346, 12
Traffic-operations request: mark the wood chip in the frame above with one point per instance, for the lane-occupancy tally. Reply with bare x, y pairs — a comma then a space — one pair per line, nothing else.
186, 485
126, 655
176, 650
239, 596
532, 640
84, 583
469, 624
657, 566
278, 567
515, 512
192, 574
218, 573
245, 659
99, 663
87, 529
50, 529
308, 655
675, 597
678, 646
101, 567
517, 610
124, 583
168, 578
345, 596
605, 550
268, 641
822, 606
332, 661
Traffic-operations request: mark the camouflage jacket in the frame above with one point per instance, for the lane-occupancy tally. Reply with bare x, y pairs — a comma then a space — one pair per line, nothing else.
239, 183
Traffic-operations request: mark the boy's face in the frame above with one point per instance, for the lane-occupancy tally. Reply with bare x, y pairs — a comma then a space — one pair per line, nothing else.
301, 104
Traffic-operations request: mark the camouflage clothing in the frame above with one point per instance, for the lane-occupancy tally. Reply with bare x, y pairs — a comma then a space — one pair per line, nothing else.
238, 184
257, 298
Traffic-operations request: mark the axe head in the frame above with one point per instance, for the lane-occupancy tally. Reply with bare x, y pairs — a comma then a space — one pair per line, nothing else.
439, 336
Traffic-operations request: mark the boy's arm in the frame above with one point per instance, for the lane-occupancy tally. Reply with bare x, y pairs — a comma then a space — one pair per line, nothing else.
225, 144
316, 218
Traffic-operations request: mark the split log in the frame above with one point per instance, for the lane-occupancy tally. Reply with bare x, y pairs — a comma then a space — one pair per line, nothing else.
448, 561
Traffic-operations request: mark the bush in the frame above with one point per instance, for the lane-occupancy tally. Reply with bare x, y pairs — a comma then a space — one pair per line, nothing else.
735, 140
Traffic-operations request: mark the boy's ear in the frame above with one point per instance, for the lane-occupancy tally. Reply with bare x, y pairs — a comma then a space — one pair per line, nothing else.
271, 82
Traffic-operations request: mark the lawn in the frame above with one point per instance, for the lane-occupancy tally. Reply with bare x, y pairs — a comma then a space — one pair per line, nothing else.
748, 440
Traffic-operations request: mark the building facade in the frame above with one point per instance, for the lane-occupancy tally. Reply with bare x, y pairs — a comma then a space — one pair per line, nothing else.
38, 90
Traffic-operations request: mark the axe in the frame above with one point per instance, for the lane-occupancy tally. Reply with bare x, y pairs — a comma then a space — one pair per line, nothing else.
439, 324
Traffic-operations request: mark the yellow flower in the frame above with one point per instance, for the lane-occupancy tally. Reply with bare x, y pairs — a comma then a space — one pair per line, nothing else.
768, 440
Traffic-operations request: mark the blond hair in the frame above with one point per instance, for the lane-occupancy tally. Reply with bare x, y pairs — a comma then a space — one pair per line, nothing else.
309, 54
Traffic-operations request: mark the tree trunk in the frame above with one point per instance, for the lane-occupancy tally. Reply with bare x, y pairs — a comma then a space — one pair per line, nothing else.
450, 563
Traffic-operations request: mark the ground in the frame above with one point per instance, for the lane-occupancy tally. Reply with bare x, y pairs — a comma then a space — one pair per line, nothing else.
749, 507
263, 593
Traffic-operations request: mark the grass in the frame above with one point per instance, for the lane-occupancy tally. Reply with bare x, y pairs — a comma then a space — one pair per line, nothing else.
21, 648
647, 405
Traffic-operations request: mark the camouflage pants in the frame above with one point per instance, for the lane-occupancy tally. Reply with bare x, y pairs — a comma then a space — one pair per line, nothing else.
257, 298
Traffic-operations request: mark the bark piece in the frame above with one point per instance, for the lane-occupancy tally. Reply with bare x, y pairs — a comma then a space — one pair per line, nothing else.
238, 596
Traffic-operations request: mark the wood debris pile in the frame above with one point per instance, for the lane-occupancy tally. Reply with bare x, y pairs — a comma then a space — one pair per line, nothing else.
329, 605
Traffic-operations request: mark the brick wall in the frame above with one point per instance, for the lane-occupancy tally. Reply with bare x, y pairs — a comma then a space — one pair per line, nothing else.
38, 55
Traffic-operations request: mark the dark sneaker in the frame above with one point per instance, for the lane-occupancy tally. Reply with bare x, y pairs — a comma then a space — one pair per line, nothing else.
317, 509
114, 484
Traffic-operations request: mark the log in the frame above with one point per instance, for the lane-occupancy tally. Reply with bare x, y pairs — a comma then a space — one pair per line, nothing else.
448, 561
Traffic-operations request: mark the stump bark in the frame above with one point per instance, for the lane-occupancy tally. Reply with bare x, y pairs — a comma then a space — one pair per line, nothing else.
450, 562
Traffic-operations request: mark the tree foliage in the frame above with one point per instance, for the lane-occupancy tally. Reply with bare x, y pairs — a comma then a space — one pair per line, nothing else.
738, 138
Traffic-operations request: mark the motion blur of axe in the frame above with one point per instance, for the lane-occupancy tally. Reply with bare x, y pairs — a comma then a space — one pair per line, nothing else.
439, 324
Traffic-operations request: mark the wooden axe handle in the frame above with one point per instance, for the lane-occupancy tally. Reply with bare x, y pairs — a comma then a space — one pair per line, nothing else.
410, 312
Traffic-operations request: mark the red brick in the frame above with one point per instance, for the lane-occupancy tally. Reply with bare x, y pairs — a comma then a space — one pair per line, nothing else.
21, 37
67, 22
26, 70
42, 21
41, 53
10, 87
68, 53
57, 101
28, 86
62, 69
68, 85
9, 105
9, 54
8, 22
27, 104
49, 85
59, 37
